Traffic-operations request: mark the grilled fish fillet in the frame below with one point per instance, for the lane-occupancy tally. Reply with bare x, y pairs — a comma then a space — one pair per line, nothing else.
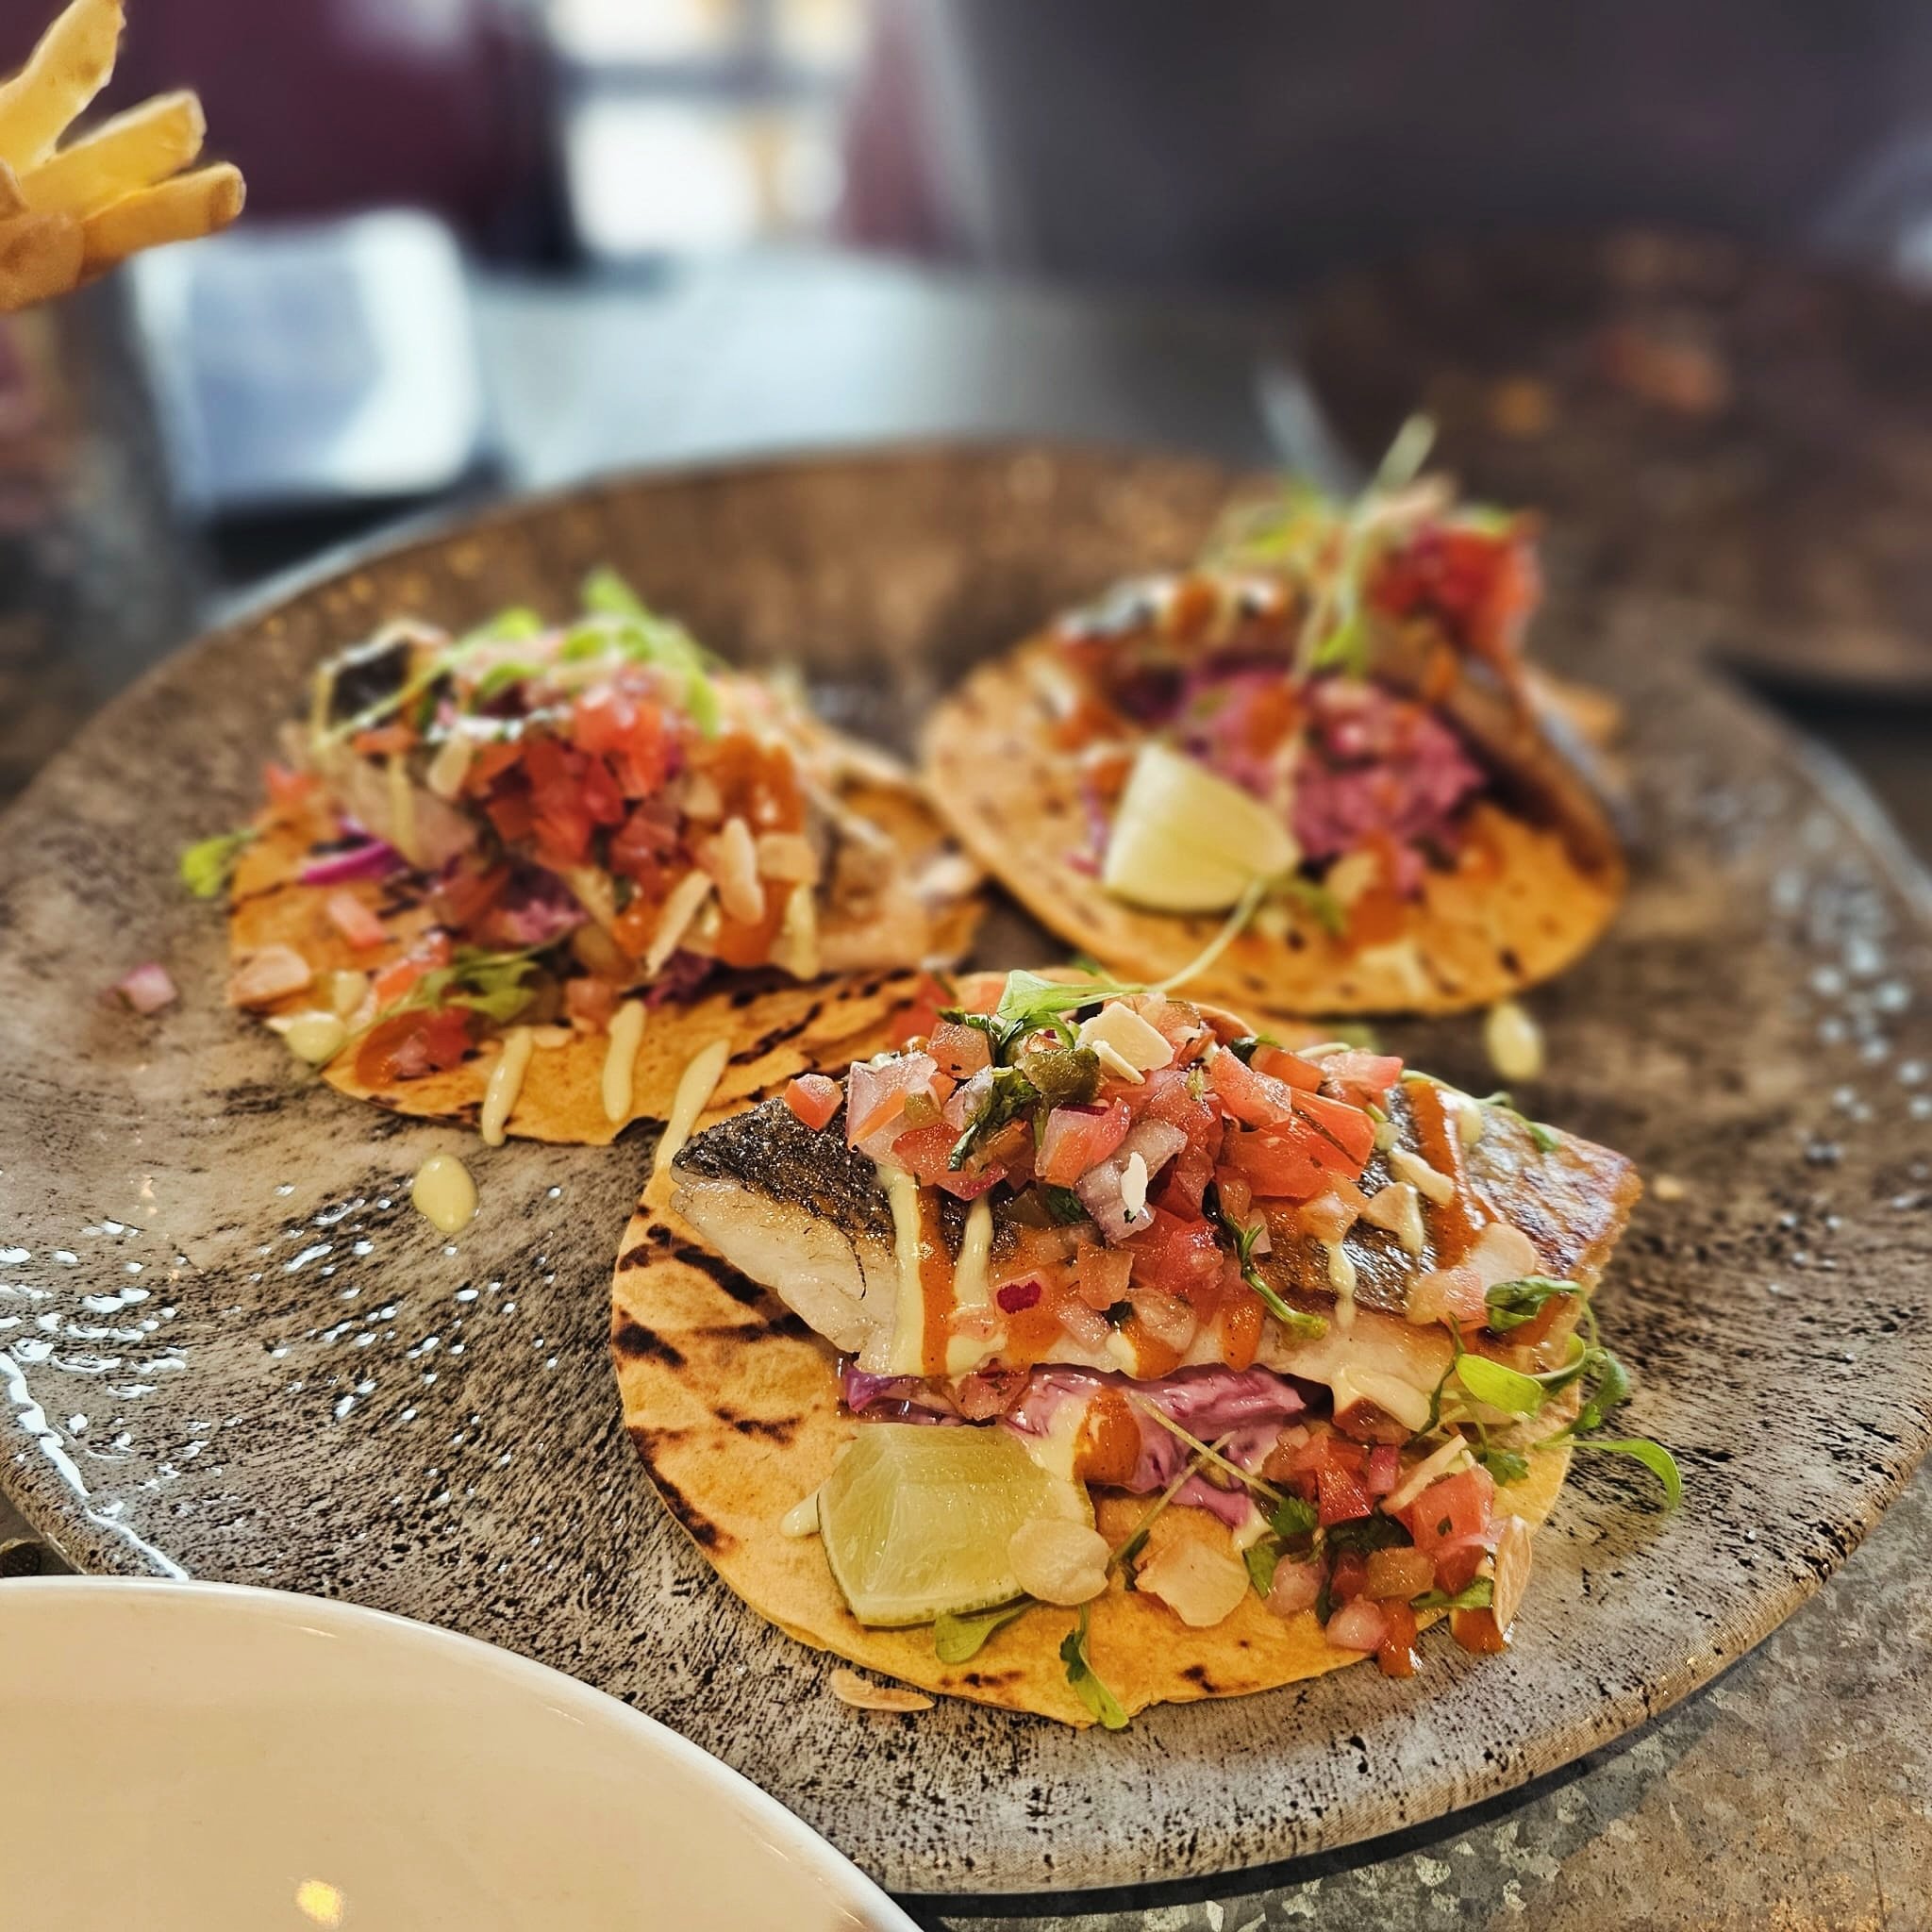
813, 1221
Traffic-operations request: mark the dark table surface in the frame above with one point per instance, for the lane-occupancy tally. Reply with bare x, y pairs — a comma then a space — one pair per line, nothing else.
1793, 1793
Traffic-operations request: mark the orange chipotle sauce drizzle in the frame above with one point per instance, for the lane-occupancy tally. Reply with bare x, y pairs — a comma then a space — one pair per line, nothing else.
934, 1285
1453, 1224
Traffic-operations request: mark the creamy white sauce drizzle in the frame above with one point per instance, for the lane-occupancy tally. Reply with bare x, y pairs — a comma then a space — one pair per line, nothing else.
505, 1085
907, 1356
620, 1058
695, 1086
443, 1193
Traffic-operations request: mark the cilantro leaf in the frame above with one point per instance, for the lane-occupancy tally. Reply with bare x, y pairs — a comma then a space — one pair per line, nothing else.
1293, 1520
1505, 1465
1010, 1095
607, 593
1086, 1681
516, 626
1513, 1302
206, 865
1062, 1204
1500, 1388
1546, 1141
1262, 1559
955, 1639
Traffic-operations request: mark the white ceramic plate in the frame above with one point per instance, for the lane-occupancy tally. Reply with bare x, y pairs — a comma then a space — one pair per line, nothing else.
194, 1756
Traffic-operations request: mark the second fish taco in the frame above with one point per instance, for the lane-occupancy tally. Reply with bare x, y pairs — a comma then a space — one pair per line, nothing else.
525, 876
1324, 736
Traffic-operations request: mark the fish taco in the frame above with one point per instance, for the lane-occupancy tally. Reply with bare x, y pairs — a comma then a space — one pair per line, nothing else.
1093, 1351
1326, 734
523, 875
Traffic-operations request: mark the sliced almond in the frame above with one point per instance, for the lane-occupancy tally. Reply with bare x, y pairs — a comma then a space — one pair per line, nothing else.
1059, 1561
1398, 1209
1199, 1584
861, 1693
267, 974
1512, 1564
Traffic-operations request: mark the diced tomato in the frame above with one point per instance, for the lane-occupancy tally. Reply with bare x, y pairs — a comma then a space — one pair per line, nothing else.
354, 920
642, 847
407, 1045
961, 1051
1289, 1068
1339, 1495
1269, 716
875, 1096
591, 1000
396, 978
599, 792
1349, 1127
511, 812
1181, 1258
1078, 1137
490, 762
1101, 1274
629, 732
562, 817
1257, 1099
814, 1099
924, 1151
285, 788
1450, 1523
1348, 1575
1359, 1078
920, 1013
1395, 1655
1292, 1161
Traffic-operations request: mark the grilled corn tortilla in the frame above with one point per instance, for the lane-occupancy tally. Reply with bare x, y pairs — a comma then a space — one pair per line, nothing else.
1521, 911
778, 1027
733, 1403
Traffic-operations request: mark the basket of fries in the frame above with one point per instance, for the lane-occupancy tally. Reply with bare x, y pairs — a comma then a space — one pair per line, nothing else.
70, 208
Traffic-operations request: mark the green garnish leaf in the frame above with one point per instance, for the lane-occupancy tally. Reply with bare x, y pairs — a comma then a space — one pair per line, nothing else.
1009, 1096
1545, 1140
1365, 1533
1295, 1322
1612, 1388
516, 626
1327, 911
1513, 1302
206, 865
1248, 1046
1086, 1681
1505, 1465
1030, 1000
607, 593
1293, 1520
955, 1639
488, 983
1654, 1456
1471, 1596
1262, 1559
1501, 1387
1062, 1204
499, 677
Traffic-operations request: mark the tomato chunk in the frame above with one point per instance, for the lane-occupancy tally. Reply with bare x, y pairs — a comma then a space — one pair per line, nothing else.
1349, 1127
1361, 1076
408, 1045
814, 1099
1077, 1138
354, 921
1258, 1099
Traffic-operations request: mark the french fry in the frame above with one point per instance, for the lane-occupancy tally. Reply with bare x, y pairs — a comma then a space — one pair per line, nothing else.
182, 209
39, 257
12, 201
62, 75
133, 150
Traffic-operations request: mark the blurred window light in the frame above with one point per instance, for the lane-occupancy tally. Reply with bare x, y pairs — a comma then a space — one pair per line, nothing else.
650, 30
647, 178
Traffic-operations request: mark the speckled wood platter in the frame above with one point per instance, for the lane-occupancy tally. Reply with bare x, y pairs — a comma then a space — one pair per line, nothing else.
229, 1349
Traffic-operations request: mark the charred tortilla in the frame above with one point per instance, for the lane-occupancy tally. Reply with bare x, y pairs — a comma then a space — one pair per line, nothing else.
778, 1026
733, 1403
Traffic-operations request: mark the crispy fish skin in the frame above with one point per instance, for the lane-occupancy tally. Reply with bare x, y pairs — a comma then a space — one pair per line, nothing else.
809, 1218
801, 1213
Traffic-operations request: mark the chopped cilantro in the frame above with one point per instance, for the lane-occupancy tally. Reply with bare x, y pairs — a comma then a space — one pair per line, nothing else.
1513, 1302
1088, 1685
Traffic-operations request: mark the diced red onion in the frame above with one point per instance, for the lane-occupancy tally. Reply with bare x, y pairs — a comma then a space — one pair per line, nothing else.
373, 860
1016, 1297
1088, 1329
1296, 1587
1358, 1625
147, 989
1385, 1468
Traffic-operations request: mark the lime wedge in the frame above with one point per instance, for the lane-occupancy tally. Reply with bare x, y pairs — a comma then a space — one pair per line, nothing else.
1184, 841
916, 1520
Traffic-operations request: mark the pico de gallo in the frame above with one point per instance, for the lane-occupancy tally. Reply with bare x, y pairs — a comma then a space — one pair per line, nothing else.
1290, 712
1339, 1305
563, 818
